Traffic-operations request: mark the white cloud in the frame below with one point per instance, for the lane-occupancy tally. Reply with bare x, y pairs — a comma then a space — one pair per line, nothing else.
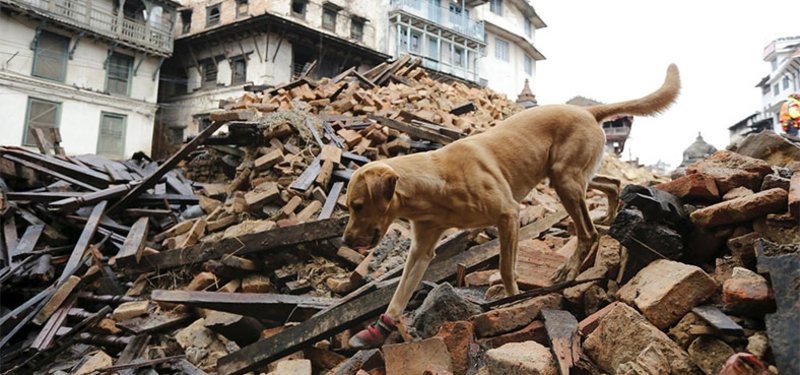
619, 50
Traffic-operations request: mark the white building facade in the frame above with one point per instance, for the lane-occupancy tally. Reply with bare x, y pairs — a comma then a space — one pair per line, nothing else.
783, 56
88, 68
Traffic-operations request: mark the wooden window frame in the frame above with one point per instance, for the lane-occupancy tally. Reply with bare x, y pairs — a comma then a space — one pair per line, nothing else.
27, 140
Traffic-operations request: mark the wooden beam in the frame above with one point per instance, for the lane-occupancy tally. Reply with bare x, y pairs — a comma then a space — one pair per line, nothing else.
167, 166
83, 241
412, 130
27, 242
258, 305
330, 201
306, 179
249, 243
131, 251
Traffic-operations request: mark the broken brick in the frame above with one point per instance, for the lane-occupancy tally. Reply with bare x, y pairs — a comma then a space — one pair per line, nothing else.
415, 357
459, 337
741, 209
747, 292
666, 290
520, 358
692, 187
510, 318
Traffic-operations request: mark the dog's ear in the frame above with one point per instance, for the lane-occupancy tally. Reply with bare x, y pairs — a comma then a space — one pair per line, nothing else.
387, 184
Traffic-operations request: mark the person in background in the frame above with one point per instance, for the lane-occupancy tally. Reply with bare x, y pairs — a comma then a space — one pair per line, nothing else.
790, 115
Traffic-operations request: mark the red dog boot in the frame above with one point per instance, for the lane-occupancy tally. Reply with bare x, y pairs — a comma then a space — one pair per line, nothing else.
374, 335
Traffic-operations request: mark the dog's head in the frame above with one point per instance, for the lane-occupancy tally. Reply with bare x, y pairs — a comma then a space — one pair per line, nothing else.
369, 196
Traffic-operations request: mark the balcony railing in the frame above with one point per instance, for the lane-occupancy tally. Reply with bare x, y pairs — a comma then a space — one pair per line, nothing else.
440, 15
86, 15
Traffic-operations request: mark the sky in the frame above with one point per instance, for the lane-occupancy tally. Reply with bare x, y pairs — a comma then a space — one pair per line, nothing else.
614, 50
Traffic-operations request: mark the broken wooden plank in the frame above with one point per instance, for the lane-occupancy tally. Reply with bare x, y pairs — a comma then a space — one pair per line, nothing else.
27, 242
55, 302
306, 179
562, 331
131, 250
257, 305
167, 166
245, 244
330, 201
88, 199
10, 235
463, 108
133, 351
83, 241
293, 338
411, 130
154, 322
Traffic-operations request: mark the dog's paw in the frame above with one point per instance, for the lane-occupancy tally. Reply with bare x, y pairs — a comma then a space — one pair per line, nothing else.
567, 272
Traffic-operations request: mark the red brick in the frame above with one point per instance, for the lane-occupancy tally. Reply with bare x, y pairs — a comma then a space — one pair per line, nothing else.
479, 278
741, 209
459, 337
732, 170
738, 192
695, 186
511, 318
666, 290
589, 323
747, 292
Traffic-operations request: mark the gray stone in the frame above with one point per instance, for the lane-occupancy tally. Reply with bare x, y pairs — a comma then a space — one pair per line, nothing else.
441, 305
775, 181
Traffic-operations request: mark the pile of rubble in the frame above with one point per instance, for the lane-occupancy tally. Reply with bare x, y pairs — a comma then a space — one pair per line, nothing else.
226, 258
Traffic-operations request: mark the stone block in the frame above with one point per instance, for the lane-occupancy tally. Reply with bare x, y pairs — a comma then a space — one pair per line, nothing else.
666, 290
623, 334
442, 304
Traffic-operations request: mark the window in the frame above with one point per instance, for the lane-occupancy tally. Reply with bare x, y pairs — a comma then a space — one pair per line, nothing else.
329, 19
774, 64
238, 70
209, 69
203, 122
299, 8
458, 56
785, 83
50, 56
119, 74
528, 64
111, 137
241, 8
496, 7
186, 21
416, 40
433, 47
41, 114
775, 89
500, 49
528, 28
212, 15
356, 28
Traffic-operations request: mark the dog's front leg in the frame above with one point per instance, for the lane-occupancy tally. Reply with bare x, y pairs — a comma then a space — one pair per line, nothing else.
419, 257
508, 226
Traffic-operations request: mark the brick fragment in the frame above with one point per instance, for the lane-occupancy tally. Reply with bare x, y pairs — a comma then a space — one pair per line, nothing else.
747, 292
130, 310
666, 290
459, 337
741, 209
521, 358
415, 357
731, 170
510, 318
692, 187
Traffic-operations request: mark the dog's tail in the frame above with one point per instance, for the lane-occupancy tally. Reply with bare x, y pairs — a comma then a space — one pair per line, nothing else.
651, 104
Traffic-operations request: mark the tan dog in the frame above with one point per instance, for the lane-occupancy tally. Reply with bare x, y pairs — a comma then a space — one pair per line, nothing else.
479, 181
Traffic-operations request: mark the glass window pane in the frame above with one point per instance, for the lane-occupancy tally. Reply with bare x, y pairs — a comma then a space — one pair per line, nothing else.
50, 56
111, 138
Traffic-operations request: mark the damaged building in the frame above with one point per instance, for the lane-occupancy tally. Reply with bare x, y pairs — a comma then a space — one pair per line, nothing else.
86, 68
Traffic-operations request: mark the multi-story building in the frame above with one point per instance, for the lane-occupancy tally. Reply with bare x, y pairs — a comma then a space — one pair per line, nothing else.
87, 67
221, 46
510, 57
783, 56
482, 42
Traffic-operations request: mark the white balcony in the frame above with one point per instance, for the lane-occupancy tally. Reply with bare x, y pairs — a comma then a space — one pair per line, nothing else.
442, 16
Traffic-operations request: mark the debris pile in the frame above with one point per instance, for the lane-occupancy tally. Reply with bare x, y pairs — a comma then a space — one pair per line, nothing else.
225, 258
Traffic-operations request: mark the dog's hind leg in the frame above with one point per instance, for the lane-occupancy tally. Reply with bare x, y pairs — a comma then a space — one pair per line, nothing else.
611, 188
419, 257
571, 189
508, 227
